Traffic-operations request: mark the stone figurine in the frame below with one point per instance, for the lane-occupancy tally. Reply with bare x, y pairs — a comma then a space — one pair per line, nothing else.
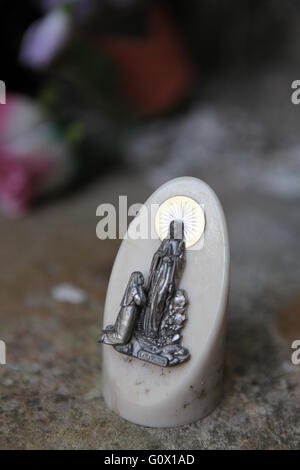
168, 370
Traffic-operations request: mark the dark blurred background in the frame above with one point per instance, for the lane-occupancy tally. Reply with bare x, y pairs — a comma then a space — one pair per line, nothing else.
100, 71
113, 97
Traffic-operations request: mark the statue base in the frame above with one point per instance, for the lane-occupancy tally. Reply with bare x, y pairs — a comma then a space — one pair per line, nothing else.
148, 350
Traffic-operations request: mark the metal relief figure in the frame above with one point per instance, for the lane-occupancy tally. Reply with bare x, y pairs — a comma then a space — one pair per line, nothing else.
165, 273
134, 297
150, 319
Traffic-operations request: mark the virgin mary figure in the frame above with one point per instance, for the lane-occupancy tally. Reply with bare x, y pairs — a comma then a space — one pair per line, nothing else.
164, 277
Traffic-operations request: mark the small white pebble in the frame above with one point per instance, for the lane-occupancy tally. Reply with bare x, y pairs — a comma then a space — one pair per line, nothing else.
68, 293
7, 382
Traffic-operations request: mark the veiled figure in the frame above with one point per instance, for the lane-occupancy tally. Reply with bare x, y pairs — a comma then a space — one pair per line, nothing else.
133, 299
165, 273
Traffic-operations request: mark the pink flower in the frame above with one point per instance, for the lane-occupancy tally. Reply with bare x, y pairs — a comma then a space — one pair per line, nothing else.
33, 159
46, 38
20, 181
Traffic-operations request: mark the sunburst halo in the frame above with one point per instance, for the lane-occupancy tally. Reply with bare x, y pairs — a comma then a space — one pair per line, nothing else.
185, 209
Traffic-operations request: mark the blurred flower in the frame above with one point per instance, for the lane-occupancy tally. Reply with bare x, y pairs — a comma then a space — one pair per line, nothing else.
17, 181
33, 157
46, 38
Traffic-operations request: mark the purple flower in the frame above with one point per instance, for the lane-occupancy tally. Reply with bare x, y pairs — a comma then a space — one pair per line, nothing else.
46, 38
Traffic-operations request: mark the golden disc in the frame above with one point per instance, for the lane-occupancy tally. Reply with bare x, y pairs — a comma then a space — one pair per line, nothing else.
185, 209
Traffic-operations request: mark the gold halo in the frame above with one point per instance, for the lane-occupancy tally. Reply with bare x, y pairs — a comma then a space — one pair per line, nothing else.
185, 209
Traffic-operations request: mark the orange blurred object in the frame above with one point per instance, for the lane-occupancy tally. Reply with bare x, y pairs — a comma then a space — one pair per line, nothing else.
155, 71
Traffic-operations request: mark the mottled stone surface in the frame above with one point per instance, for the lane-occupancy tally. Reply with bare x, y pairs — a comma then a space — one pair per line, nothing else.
246, 146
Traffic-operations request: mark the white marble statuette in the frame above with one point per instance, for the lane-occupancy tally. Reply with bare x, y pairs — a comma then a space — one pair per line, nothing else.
165, 311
